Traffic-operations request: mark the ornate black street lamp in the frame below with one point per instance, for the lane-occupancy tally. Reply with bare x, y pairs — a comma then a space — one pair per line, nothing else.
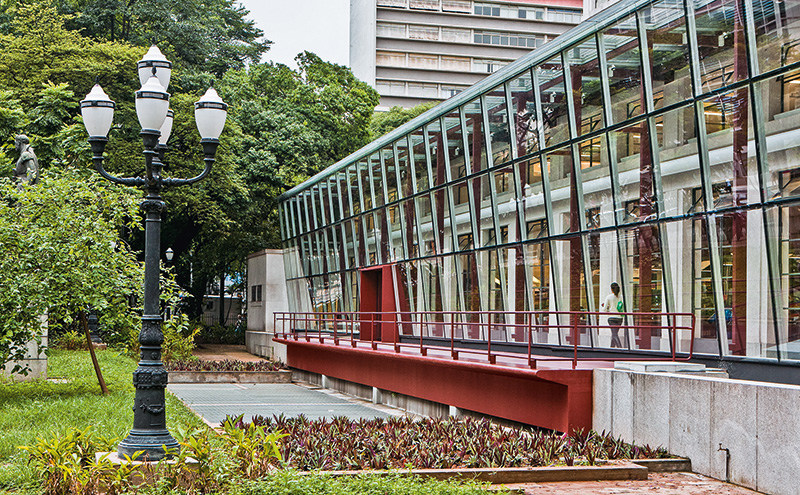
149, 434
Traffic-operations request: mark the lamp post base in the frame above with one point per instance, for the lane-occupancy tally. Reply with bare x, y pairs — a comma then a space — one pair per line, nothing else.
154, 445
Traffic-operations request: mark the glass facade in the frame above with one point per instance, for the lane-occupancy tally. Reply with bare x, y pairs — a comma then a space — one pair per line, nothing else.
654, 146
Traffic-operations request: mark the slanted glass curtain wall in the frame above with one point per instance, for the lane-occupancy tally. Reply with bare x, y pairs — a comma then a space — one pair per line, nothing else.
654, 145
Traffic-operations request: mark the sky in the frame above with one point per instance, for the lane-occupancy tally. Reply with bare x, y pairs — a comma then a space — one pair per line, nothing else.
319, 26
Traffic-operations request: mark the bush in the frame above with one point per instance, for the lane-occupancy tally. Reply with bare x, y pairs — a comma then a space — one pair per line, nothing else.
218, 334
71, 340
178, 338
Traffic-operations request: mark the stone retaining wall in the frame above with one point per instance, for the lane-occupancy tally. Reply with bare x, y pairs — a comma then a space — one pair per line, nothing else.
694, 416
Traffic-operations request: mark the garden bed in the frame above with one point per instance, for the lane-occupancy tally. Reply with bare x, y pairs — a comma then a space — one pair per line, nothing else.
342, 444
228, 371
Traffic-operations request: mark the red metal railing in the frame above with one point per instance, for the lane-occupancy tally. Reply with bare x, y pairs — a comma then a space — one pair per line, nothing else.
478, 326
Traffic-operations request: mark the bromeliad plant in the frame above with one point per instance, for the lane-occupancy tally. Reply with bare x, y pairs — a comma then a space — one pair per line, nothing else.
256, 451
227, 365
344, 444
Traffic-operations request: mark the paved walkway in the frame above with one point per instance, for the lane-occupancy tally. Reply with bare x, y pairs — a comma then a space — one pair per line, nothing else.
215, 401
221, 352
656, 484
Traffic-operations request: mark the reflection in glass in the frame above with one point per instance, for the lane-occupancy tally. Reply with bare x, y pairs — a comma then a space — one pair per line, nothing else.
554, 101
623, 57
586, 86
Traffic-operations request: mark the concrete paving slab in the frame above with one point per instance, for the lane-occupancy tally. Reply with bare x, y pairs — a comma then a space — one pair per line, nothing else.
214, 402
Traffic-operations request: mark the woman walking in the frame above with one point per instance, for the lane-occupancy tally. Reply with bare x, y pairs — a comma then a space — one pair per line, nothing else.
613, 304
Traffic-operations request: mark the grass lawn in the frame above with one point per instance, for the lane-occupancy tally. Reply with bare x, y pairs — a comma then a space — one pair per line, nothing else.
42, 408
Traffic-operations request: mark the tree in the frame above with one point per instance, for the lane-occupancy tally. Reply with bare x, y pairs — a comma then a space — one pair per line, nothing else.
384, 122
61, 253
209, 36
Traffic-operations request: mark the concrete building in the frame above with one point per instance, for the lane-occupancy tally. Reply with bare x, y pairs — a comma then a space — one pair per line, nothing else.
413, 51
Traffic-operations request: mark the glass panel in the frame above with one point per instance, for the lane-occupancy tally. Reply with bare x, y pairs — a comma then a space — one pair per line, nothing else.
372, 238
637, 199
443, 223
427, 226
643, 290
349, 243
741, 320
406, 187
537, 263
410, 229
780, 97
679, 163
475, 139
721, 42
554, 101
524, 105
395, 247
455, 145
668, 44
333, 191
506, 193
586, 87
568, 259
420, 160
732, 160
482, 209
389, 174
437, 149
408, 294
784, 228
624, 69
563, 190
777, 33
606, 274
354, 189
498, 125
344, 193
532, 192
366, 185
315, 198
596, 183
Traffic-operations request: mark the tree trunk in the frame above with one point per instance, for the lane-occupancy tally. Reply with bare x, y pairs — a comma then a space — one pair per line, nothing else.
85, 324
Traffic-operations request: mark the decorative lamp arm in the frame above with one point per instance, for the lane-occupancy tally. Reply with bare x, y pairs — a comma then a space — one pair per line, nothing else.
98, 146
209, 151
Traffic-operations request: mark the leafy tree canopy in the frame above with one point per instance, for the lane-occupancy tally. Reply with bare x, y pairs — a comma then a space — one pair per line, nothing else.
209, 35
60, 249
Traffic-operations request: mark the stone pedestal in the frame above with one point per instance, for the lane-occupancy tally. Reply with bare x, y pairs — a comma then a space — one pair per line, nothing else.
35, 358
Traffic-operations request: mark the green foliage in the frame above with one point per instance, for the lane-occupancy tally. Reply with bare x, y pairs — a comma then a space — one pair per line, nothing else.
67, 461
211, 36
255, 450
396, 443
178, 338
384, 122
70, 340
29, 410
292, 483
219, 334
60, 252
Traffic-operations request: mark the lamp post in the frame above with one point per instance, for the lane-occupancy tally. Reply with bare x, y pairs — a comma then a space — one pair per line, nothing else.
149, 434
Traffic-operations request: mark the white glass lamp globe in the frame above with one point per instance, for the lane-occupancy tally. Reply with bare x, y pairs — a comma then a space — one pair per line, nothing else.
97, 110
210, 113
152, 104
166, 128
154, 58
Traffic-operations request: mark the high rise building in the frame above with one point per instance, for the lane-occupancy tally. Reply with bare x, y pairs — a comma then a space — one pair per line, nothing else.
413, 51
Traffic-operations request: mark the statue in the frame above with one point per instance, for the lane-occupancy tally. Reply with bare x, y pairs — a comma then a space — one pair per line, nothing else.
27, 169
